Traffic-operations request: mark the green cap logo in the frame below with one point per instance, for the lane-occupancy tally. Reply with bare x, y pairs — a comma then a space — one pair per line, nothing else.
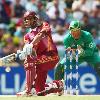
74, 25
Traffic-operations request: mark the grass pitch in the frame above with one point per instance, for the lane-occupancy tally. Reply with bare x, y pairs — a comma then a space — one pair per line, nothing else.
73, 97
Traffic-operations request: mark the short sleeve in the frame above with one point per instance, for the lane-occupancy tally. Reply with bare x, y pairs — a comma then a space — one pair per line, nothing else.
47, 26
26, 39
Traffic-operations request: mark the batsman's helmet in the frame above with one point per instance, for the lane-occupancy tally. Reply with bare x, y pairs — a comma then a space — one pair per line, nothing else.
30, 16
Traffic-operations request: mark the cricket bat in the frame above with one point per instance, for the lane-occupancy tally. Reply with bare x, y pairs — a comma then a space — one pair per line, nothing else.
7, 59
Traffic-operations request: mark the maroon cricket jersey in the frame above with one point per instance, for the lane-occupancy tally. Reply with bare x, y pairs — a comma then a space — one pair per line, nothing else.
45, 44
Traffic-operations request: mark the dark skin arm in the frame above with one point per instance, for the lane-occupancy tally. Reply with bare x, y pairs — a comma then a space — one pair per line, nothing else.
39, 36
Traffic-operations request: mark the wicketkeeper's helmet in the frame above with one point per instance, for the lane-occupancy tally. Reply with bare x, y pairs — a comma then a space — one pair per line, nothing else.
74, 25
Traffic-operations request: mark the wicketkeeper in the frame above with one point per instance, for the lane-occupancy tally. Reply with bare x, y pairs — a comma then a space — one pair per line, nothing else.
88, 52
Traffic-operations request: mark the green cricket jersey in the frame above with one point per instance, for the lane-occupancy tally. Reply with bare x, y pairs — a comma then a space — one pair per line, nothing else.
85, 41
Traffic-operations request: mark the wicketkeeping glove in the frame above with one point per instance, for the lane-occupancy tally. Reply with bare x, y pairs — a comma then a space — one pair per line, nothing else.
80, 51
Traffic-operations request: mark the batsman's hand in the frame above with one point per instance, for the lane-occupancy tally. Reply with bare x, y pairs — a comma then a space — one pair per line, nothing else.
28, 48
21, 55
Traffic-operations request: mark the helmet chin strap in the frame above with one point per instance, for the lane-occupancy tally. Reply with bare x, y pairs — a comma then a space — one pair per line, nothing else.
39, 23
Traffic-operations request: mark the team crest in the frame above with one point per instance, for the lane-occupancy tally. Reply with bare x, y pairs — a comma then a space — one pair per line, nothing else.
91, 45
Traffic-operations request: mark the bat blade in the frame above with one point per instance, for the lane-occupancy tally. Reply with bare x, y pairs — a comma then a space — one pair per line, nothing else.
1, 63
7, 59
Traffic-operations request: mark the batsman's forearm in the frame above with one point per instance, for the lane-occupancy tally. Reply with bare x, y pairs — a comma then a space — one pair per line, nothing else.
37, 38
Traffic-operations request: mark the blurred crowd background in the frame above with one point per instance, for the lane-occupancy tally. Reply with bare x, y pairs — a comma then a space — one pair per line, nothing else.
59, 13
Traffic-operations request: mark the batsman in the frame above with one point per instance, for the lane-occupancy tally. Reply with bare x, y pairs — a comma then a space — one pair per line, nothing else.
39, 55
87, 50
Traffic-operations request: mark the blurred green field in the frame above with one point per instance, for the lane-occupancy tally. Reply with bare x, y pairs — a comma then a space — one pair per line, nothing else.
86, 97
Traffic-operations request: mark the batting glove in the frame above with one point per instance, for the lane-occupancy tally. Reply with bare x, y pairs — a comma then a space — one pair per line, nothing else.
28, 48
21, 55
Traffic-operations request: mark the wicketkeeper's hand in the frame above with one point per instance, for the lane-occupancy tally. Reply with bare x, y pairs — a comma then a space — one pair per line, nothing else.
80, 51
69, 49
68, 52
28, 48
